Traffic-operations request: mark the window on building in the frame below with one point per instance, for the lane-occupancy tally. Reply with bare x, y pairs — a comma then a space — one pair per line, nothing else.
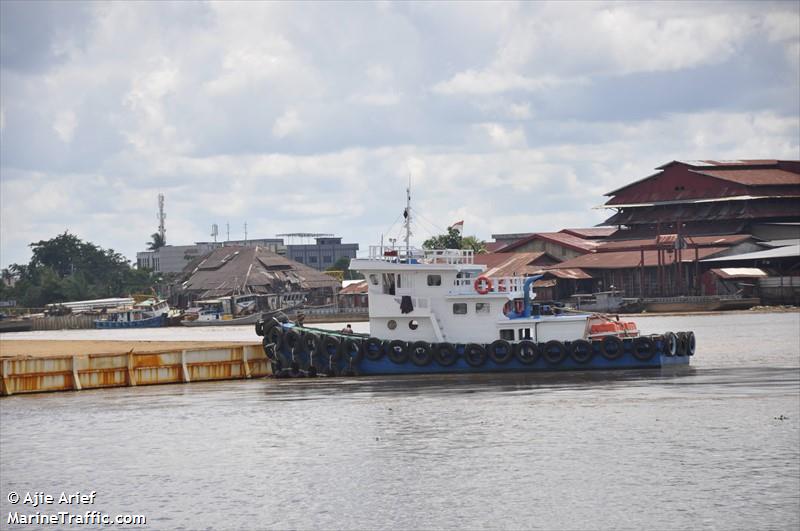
312, 259
482, 307
434, 280
459, 308
507, 334
327, 259
300, 259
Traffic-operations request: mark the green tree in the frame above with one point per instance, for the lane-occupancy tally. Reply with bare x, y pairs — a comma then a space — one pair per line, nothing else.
65, 268
156, 242
451, 240
454, 240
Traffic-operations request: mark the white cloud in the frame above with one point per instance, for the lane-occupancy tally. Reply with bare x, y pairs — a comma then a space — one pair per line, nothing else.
286, 124
490, 82
65, 124
504, 138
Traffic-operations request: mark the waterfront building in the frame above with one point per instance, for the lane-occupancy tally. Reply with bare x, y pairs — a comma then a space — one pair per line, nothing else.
323, 253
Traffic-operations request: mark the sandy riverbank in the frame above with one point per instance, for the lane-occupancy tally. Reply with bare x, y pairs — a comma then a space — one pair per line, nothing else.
55, 347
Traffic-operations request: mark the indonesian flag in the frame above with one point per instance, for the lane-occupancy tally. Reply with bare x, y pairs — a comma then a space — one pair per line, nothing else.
458, 225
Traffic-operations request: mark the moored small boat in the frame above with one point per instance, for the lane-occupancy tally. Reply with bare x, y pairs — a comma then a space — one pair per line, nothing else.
149, 313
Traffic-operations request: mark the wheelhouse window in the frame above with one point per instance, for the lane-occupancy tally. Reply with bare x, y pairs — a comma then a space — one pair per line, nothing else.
434, 280
388, 283
373, 279
507, 334
482, 307
459, 308
524, 333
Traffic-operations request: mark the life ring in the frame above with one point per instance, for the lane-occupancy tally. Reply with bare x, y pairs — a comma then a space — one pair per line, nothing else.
445, 354
293, 341
275, 336
581, 350
643, 348
474, 355
500, 351
671, 347
526, 352
482, 285
611, 348
421, 353
398, 351
354, 350
554, 352
691, 343
332, 347
373, 350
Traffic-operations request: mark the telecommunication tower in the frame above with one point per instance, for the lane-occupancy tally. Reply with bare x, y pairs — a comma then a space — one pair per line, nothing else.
161, 217
214, 232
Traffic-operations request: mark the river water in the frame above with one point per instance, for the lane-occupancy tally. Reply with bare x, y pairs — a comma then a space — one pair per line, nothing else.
713, 446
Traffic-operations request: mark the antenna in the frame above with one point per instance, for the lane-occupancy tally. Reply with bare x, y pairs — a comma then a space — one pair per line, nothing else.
407, 215
161, 217
214, 232
228, 229
245, 233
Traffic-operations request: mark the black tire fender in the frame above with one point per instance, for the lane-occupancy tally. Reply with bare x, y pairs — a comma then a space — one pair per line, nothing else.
554, 352
293, 341
670, 344
311, 342
644, 348
421, 353
500, 351
691, 343
527, 352
683, 346
445, 354
611, 348
373, 349
353, 350
275, 336
474, 354
581, 351
260, 327
398, 351
332, 347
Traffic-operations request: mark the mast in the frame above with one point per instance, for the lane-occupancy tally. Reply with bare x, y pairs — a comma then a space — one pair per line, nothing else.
407, 215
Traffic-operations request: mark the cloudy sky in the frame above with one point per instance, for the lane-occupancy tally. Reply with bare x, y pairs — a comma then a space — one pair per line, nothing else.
302, 117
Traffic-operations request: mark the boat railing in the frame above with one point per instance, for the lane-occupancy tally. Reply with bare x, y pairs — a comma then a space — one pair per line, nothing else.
422, 256
510, 285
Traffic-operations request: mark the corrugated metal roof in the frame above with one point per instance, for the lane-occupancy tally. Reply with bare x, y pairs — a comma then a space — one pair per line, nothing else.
629, 259
791, 251
355, 288
670, 239
725, 210
513, 264
560, 238
569, 274
233, 269
755, 177
739, 272
591, 232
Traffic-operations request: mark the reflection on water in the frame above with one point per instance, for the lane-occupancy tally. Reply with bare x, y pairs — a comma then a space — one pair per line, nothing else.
715, 445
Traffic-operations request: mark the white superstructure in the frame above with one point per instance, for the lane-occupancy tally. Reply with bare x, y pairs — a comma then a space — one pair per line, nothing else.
441, 296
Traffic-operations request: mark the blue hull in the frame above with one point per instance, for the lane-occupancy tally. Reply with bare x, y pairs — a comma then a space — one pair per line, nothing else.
327, 362
153, 322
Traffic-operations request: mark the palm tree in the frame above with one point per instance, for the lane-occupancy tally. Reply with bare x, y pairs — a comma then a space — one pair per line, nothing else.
157, 242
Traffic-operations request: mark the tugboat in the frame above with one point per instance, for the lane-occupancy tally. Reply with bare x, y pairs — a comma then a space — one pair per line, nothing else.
434, 311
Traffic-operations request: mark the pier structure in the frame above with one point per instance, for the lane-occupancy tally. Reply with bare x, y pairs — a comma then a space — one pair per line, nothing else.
123, 366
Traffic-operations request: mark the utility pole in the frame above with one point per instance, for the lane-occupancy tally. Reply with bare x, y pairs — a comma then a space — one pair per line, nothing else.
228, 229
245, 234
